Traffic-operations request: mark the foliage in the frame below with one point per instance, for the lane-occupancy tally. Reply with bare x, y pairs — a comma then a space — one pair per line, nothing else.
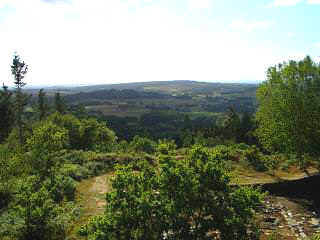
19, 70
142, 144
41, 218
60, 187
6, 113
289, 108
255, 158
46, 141
96, 136
5, 181
71, 124
86, 134
59, 103
178, 199
42, 105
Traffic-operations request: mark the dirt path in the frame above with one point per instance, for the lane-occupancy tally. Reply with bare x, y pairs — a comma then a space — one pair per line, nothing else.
90, 197
286, 220
251, 177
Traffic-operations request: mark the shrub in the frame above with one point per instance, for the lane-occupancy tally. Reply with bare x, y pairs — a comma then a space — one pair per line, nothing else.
187, 199
255, 158
96, 136
60, 187
142, 144
38, 217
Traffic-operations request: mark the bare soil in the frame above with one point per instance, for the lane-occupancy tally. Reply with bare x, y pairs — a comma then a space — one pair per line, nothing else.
90, 197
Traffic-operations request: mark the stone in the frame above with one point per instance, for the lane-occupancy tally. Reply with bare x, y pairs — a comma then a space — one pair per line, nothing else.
314, 222
303, 235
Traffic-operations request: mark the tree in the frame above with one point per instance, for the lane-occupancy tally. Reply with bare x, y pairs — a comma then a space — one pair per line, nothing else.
42, 105
289, 108
96, 136
59, 103
19, 70
176, 199
231, 124
6, 113
142, 144
47, 139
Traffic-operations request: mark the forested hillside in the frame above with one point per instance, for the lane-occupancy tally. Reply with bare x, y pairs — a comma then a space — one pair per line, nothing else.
173, 148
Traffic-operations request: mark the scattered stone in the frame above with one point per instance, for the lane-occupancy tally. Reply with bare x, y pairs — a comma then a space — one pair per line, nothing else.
303, 235
314, 222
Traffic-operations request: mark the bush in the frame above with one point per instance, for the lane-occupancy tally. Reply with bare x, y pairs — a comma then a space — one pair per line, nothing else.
96, 136
186, 199
255, 158
72, 170
142, 144
60, 187
37, 216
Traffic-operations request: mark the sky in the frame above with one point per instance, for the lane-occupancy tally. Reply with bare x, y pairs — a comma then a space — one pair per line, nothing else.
114, 41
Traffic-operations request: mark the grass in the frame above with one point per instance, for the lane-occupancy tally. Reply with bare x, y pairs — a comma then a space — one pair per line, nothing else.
90, 197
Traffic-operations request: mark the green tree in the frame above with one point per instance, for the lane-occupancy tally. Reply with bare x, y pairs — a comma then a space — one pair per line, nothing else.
47, 139
142, 144
38, 216
71, 124
42, 106
6, 113
289, 108
59, 103
19, 70
5, 183
96, 136
231, 124
186, 199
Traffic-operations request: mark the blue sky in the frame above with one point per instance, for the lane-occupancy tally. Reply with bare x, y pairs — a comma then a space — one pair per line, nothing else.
111, 41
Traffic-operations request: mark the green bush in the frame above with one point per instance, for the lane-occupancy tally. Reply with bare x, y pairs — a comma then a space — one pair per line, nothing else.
186, 199
255, 158
60, 187
34, 214
95, 167
166, 147
72, 170
142, 144
76, 157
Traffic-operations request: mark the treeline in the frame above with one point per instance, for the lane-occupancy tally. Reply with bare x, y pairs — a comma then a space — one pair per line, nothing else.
114, 94
233, 127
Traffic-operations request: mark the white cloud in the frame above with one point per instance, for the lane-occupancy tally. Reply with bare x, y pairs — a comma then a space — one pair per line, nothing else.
313, 1
291, 34
282, 3
249, 26
318, 45
196, 4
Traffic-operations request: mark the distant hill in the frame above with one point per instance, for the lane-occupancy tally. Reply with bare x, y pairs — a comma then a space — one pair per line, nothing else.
168, 87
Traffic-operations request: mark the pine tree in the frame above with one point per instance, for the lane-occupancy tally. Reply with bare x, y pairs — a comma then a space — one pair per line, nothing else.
6, 112
59, 103
42, 105
19, 70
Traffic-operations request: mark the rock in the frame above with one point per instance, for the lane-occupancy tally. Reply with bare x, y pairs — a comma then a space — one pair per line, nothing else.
270, 219
303, 235
314, 222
